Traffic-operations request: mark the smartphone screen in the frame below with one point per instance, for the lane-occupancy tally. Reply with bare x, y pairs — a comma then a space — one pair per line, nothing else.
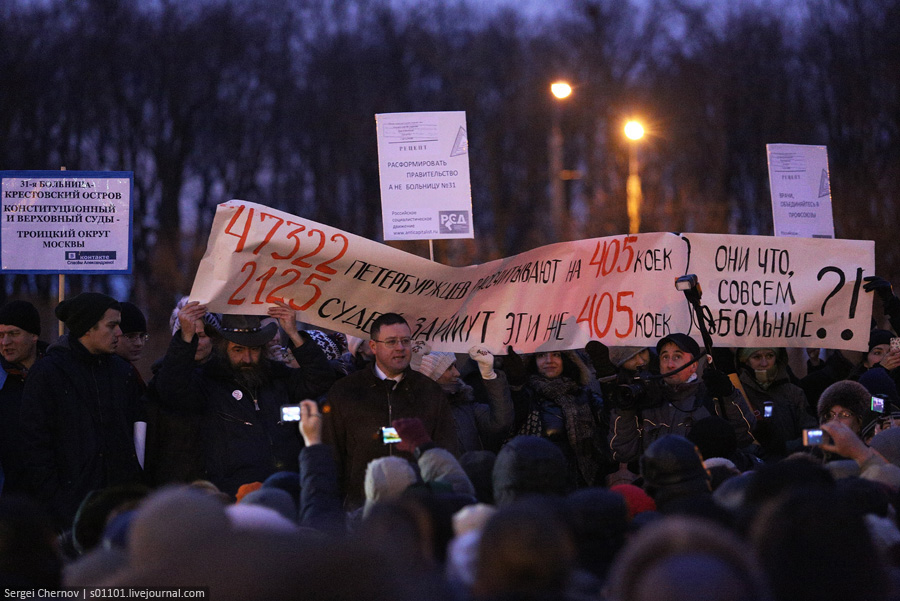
767, 409
390, 436
290, 413
877, 404
812, 438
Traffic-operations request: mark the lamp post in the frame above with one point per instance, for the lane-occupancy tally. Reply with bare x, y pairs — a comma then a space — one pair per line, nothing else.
560, 90
634, 131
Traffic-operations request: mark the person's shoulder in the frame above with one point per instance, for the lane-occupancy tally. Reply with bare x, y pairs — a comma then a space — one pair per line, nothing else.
423, 383
349, 384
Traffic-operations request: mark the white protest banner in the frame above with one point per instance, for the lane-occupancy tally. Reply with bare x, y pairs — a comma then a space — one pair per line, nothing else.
619, 290
66, 221
801, 190
423, 162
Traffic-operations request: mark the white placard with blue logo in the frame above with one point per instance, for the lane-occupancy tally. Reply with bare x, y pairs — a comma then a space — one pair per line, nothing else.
423, 161
65, 221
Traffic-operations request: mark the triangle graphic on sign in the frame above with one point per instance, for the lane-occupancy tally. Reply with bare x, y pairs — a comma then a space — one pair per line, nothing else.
461, 144
824, 185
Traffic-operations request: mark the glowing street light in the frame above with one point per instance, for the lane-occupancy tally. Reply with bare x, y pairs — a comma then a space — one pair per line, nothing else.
561, 89
634, 131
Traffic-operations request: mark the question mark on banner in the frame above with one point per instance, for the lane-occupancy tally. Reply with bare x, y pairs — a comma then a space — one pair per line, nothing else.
847, 334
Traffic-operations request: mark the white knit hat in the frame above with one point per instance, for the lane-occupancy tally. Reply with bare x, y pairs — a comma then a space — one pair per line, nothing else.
431, 363
386, 479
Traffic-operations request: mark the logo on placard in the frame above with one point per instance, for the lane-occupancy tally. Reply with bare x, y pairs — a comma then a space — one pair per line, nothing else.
453, 222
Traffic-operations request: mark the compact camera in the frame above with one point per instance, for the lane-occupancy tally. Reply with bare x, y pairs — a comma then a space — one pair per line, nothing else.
290, 413
815, 437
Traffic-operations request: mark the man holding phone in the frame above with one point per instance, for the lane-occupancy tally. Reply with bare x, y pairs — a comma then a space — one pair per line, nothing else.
361, 407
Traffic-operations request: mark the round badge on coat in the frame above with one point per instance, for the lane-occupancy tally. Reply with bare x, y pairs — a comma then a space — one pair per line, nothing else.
237, 394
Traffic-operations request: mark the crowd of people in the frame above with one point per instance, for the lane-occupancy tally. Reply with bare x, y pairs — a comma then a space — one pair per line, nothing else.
266, 459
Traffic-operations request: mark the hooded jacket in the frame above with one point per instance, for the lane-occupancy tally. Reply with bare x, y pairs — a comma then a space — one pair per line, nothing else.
78, 414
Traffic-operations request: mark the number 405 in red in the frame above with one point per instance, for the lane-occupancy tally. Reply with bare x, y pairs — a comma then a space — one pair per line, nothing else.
599, 310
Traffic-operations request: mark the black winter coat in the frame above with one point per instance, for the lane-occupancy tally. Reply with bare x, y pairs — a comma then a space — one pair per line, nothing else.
78, 414
242, 440
360, 404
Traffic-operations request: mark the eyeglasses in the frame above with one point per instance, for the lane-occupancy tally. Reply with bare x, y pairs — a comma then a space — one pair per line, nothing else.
842, 415
135, 336
395, 342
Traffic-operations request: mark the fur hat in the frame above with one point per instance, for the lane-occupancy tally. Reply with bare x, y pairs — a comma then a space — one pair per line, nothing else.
247, 330
21, 314
850, 395
81, 312
133, 319
682, 341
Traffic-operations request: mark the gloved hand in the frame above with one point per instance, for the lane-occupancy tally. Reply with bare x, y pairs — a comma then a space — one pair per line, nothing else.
718, 384
412, 433
599, 354
485, 360
880, 286
514, 368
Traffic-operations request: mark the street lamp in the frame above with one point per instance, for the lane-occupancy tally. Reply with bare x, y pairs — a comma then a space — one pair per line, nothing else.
634, 131
560, 90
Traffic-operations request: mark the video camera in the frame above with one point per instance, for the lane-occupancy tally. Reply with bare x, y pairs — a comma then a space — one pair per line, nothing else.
642, 391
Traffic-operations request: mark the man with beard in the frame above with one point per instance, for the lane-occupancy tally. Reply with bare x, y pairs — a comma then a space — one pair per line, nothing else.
484, 417
362, 404
239, 392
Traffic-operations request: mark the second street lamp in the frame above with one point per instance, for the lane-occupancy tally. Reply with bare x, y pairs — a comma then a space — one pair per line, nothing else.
560, 90
634, 131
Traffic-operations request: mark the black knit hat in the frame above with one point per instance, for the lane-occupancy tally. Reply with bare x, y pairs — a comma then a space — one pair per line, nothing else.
877, 337
133, 319
21, 314
682, 341
671, 460
83, 311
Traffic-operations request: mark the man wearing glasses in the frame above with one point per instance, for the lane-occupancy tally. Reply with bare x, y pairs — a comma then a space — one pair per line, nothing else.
130, 345
360, 406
